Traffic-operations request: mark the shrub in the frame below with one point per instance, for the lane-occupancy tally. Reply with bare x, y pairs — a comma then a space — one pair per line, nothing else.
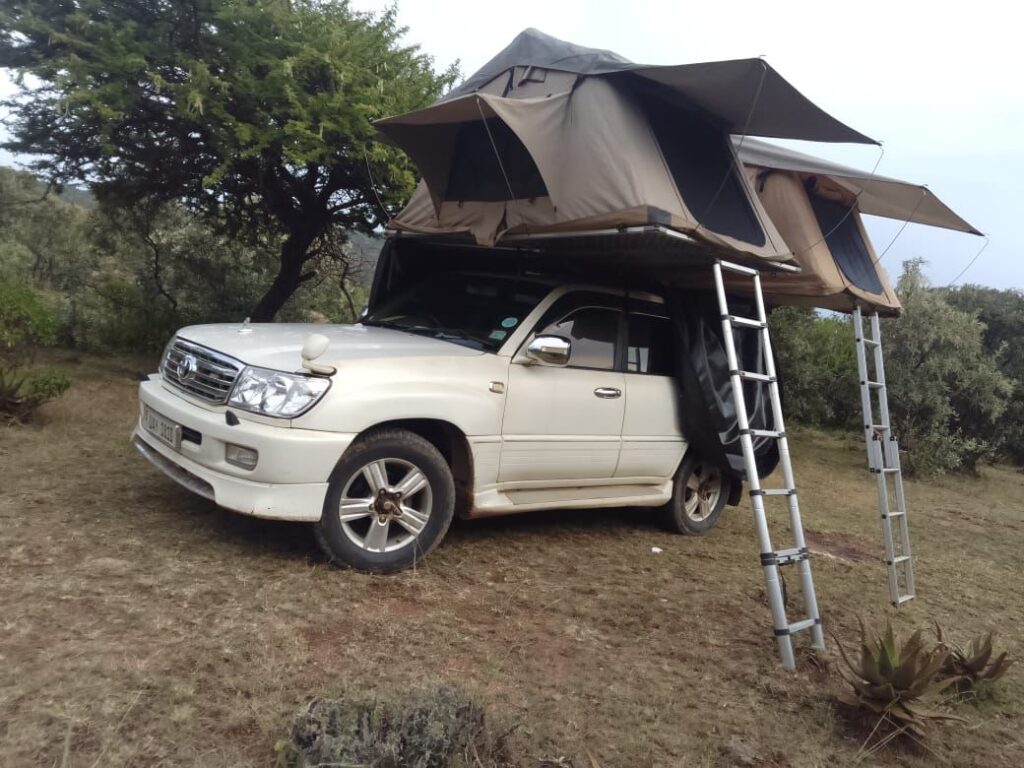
946, 393
818, 366
25, 325
434, 728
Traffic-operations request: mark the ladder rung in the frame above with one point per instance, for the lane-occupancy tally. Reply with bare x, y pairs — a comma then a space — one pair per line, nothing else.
874, 384
797, 626
879, 427
728, 265
774, 492
749, 376
784, 556
903, 599
871, 342
895, 514
744, 322
886, 470
763, 433
898, 560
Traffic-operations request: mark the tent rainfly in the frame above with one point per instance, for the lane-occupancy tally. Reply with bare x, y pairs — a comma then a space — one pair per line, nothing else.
551, 137
816, 206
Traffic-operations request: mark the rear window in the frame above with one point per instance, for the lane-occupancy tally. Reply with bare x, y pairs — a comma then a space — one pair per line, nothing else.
650, 346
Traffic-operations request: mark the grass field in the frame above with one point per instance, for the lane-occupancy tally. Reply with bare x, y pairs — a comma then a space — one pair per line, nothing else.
143, 626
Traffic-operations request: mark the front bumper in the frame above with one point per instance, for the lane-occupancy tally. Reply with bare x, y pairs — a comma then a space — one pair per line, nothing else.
289, 481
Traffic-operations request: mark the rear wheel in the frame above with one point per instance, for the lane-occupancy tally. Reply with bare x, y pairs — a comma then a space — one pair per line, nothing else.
389, 503
699, 493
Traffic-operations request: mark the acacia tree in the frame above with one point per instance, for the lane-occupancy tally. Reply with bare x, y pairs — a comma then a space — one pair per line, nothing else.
253, 113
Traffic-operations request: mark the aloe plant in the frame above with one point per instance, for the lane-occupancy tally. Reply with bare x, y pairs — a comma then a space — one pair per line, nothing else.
974, 664
894, 680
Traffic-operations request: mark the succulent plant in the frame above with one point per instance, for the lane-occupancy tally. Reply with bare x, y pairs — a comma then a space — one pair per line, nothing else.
973, 664
893, 680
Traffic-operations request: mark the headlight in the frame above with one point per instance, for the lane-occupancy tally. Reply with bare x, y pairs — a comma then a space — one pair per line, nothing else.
275, 393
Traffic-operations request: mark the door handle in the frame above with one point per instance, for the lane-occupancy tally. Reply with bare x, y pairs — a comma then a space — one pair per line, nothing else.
608, 393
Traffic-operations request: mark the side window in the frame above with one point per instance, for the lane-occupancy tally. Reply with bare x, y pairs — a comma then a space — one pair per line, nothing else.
650, 346
593, 332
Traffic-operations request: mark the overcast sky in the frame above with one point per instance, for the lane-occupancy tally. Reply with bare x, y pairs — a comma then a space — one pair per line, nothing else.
938, 83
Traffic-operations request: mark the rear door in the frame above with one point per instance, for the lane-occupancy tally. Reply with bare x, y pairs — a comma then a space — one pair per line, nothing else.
652, 443
564, 423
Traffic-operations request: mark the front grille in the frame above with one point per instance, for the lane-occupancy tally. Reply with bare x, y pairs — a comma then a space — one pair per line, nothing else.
199, 371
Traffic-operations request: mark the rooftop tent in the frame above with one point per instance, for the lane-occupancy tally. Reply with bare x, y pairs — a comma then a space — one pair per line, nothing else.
553, 137
816, 206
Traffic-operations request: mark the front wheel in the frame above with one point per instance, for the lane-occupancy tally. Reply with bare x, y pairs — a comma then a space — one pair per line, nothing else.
699, 492
390, 502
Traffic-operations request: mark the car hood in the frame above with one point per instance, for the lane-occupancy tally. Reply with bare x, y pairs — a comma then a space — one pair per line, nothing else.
279, 345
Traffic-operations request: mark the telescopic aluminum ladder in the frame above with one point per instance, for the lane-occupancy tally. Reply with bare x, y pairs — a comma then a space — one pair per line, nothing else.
771, 559
884, 461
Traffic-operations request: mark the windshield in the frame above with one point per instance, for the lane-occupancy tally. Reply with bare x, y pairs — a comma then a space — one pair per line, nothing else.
480, 311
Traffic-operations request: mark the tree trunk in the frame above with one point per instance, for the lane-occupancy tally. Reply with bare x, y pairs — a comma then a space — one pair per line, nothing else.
289, 277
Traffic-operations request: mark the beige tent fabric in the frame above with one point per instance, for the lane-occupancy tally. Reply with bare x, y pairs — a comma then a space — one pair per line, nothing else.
594, 149
821, 283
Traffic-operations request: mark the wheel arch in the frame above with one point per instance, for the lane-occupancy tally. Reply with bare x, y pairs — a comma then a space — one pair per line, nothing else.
453, 445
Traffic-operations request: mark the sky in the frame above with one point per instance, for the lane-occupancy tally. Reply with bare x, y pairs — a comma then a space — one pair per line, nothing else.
938, 83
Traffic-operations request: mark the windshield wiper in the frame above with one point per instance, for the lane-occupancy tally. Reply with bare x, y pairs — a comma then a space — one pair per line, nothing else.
444, 334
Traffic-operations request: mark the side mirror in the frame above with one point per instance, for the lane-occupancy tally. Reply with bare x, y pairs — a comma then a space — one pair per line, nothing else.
553, 350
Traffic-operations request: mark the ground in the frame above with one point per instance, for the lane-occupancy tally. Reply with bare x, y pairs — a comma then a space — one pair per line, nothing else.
143, 626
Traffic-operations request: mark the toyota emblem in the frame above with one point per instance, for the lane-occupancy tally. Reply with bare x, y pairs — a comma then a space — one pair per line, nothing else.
186, 368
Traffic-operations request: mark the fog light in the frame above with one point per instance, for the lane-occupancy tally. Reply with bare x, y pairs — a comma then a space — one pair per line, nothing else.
241, 456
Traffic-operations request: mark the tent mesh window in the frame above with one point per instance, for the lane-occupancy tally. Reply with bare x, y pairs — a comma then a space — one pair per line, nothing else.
476, 173
704, 170
842, 235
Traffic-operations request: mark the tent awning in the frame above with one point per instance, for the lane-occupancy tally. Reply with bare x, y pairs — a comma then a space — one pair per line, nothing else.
876, 195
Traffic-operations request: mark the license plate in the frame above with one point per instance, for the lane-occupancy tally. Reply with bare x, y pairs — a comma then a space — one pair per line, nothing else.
161, 427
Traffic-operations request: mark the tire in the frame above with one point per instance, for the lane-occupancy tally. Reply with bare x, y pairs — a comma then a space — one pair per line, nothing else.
699, 493
383, 527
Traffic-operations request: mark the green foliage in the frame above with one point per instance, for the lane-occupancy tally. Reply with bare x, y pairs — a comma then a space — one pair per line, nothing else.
818, 365
946, 393
26, 324
952, 401
1002, 313
973, 666
127, 279
895, 681
437, 728
255, 113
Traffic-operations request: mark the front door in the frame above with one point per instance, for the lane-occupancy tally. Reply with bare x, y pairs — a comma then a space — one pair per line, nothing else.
564, 423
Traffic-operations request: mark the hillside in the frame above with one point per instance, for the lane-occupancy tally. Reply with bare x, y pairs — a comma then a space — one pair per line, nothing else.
144, 626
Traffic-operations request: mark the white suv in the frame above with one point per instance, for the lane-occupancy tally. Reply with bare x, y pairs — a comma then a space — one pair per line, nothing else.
470, 394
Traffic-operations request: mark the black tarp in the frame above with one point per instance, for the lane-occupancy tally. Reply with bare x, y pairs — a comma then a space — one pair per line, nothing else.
706, 409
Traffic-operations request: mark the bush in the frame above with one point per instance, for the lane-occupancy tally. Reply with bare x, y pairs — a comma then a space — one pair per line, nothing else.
946, 393
817, 364
25, 325
434, 728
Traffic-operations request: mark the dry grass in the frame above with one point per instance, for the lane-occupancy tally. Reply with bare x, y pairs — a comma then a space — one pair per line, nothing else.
140, 625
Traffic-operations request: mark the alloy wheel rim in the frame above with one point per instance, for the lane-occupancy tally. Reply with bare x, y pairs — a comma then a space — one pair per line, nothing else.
702, 492
385, 505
